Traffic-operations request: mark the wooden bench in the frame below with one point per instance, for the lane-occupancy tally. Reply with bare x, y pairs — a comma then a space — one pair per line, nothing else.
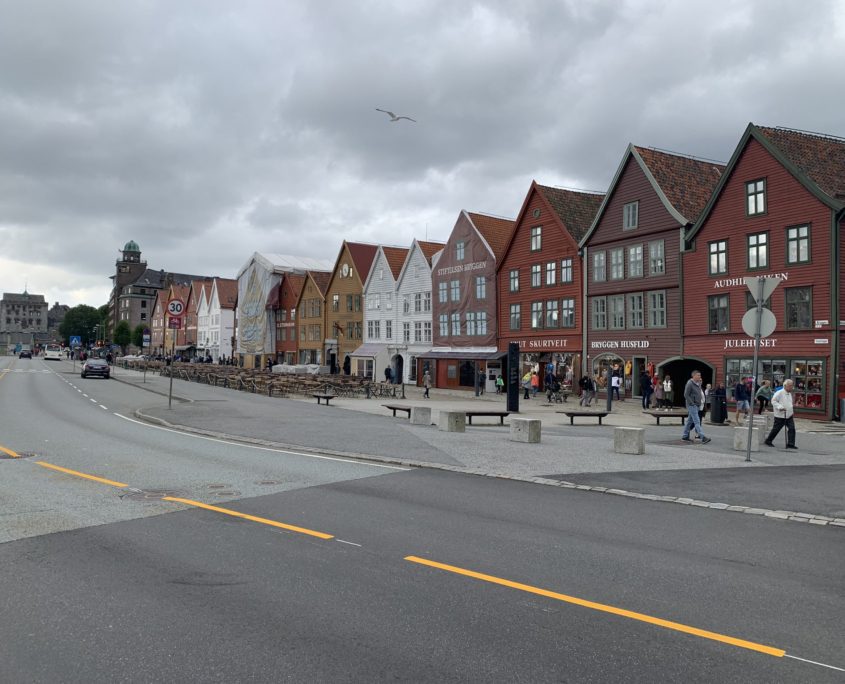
500, 414
674, 413
398, 407
321, 397
589, 414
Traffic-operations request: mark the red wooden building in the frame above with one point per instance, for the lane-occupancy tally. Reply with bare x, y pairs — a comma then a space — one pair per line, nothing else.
632, 256
778, 210
289, 289
540, 283
463, 284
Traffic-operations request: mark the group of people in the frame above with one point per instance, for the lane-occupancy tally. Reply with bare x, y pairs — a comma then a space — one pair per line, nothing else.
657, 393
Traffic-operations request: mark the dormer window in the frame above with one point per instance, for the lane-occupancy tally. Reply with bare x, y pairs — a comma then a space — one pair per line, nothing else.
630, 215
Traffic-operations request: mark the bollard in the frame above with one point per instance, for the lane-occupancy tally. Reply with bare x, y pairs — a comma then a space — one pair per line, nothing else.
525, 430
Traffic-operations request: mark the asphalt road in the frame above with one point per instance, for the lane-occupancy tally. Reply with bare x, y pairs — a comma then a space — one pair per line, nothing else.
103, 584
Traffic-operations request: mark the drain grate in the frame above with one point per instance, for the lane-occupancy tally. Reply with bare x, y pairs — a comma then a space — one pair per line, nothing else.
231, 492
153, 494
218, 486
268, 482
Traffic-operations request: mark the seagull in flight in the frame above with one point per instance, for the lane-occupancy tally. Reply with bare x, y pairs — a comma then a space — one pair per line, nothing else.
393, 117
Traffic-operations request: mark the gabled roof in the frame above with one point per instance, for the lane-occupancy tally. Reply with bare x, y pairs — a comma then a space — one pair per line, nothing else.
285, 263
429, 249
363, 255
575, 208
321, 280
227, 292
494, 229
683, 183
395, 257
295, 282
816, 161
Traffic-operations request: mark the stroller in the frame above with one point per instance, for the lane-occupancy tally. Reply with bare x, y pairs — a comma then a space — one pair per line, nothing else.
553, 393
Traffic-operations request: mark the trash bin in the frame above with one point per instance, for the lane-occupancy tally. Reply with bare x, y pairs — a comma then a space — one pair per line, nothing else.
718, 409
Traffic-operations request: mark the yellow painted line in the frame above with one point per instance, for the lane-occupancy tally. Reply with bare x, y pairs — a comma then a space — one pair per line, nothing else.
76, 473
677, 626
263, 521
9, 452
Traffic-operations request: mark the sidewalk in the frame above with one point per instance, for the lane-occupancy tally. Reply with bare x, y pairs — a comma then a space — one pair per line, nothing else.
363, 428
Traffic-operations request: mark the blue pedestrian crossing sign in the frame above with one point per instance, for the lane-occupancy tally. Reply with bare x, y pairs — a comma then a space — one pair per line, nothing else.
75, 341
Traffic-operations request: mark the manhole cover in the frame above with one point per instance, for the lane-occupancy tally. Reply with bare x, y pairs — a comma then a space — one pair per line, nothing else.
227, 493
218, 486
268, 482
153, 494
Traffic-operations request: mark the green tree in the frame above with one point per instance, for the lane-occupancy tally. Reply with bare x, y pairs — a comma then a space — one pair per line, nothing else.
122, 334
105, 332
80, 320
138, 336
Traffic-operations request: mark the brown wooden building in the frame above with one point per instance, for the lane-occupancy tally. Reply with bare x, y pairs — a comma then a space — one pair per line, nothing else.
284, 307
191, 318
311, 317
345, 304
632, 256
463, 282
540, 285
779, 210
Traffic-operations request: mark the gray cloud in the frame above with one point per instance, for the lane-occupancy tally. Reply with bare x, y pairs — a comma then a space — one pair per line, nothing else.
206, 131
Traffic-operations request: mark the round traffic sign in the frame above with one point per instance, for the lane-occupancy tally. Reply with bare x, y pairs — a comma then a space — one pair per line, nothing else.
768, 322
175, 307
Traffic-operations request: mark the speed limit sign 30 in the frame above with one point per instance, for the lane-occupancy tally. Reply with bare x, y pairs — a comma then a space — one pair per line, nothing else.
175, 307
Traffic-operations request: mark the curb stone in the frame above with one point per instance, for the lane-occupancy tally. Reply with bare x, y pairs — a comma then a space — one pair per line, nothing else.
821, 520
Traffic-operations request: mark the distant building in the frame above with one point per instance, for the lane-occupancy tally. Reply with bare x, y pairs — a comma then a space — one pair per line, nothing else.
55, 316
23, 320
134, 288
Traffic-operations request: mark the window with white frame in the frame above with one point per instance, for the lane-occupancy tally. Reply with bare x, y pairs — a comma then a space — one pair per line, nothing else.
443, 292
536, 315
552, 314
551, 273
443, 319
630, 215
456, 324
798, 244
427, 331
459, 250
388, 330
515, 317
536, 238
635, 261
567, 313
406, 332
376, 330
536, 275
406, 304
514, 280
418, 302
657, 309
417, 331
635, 310
480, 287
470, 323
718, 257
617, 263
616, 311
456, 290
758, 250
755, 197
566, 270
656, 258
481, 322
599, 313
599, 267
427, 300
388, 301
370, 330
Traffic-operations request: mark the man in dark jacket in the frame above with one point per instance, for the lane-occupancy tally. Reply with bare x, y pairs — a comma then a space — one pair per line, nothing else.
694, 400
645, 388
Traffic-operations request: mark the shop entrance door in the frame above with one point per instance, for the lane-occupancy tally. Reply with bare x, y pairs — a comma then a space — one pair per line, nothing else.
637, 367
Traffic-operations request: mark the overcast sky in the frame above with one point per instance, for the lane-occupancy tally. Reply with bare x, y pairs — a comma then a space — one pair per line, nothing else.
208, 130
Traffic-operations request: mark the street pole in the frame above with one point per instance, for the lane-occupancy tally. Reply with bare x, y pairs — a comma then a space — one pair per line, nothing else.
172, 361
760, 283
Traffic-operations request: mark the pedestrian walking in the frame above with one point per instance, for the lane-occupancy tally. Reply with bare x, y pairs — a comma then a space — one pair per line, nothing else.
589, 390
482, 378
500, 384
645, 388
784, 415
764, 396
426, 384
668, 392
694, 400
658, 392
526, 384
742, 399
535, 383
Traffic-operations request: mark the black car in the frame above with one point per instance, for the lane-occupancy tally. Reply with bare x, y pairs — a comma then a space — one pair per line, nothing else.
25, 354
96, 367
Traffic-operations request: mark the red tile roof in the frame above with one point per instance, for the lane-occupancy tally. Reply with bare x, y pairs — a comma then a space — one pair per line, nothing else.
227, 292
495, 230
429, 249
821, 158
576, 209
395, 259
687, 182
295, 283
363, 255
321, 280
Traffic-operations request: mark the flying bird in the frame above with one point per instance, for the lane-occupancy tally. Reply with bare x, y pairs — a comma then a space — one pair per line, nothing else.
393, 117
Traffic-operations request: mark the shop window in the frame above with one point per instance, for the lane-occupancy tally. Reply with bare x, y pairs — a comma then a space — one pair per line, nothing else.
799, 310
807, 375
718, 307
798, 245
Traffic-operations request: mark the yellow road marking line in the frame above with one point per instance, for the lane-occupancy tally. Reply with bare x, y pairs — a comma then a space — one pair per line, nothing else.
677, 626
245, 516
9, 452
68, 471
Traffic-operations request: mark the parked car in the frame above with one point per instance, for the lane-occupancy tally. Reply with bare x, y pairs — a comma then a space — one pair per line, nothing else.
25, 354
97, 368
